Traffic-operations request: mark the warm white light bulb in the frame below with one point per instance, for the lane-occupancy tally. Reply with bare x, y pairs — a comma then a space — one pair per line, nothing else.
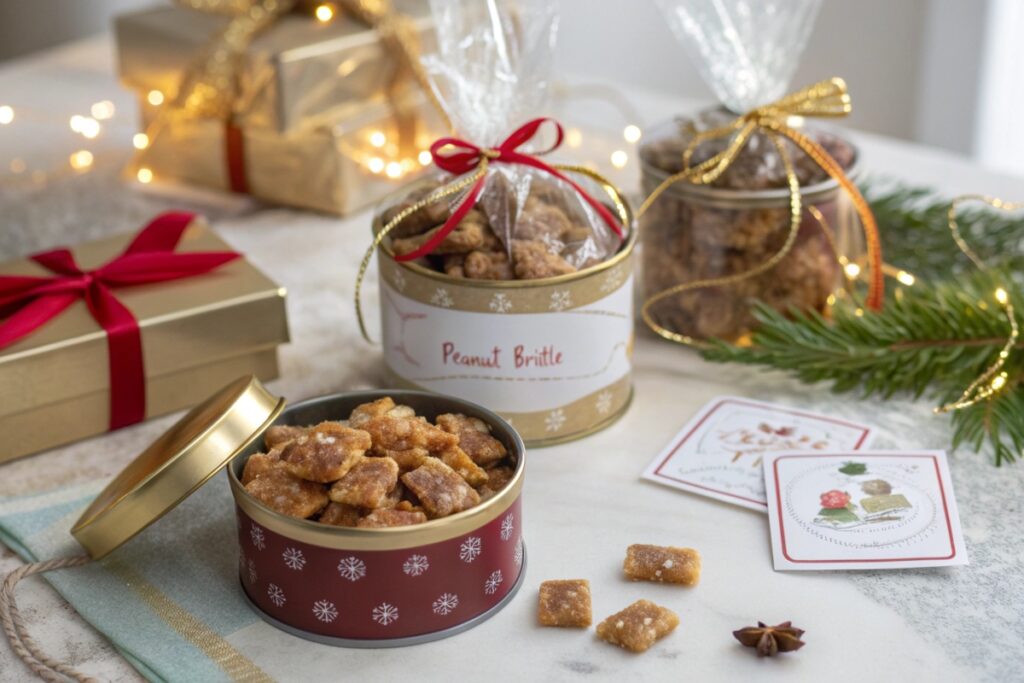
852, 270
378, 139
393, 169
140, 141
425, 158
144, 175
324, 13
81, 160
573, 137
1001, 296
632, 133
906, 278
619, 158
102, 110
6, 115
155, 97
375, 164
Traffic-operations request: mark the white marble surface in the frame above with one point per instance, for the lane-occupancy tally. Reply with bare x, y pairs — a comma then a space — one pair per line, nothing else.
583, 502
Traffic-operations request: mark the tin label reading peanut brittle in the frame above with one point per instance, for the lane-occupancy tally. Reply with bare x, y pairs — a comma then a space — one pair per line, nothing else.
520, 358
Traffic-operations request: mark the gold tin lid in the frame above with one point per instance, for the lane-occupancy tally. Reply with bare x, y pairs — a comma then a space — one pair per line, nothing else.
184, 458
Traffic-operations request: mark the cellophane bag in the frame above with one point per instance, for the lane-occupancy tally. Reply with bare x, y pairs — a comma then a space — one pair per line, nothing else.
491, 74
747, 52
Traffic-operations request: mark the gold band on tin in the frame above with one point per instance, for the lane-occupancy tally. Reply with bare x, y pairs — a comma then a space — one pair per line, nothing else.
345, 538
234, 664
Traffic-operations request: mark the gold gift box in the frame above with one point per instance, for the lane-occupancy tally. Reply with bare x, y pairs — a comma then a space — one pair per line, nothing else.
297, 69
198, 334
336, 166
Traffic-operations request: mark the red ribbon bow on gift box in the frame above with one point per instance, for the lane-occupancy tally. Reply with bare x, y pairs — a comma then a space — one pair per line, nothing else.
460, 157
33, 301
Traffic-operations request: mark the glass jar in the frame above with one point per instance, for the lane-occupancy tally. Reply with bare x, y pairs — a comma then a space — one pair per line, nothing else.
695, 233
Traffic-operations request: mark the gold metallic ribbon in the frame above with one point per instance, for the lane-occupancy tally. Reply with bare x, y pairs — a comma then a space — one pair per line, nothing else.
824, 99
994, 378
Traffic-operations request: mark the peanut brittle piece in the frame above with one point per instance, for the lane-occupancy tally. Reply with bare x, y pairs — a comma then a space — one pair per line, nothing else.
466, 237
283, 492
367, 483
565, 603
382, 406
497, 479
259, 463
662, 564
278, 435
533, 261
487, 265
395, 497
453, 265
325, 453
474, 438
403, 433
407, 460
638, 626
542, 222
457, 459
339, 514
440, 489
379, 519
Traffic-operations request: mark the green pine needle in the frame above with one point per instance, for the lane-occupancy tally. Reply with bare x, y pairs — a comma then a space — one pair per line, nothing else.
931, 340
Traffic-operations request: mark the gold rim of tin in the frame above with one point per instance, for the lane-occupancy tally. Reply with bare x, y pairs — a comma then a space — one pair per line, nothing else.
625, 250
174, 466
589, 431
397, 538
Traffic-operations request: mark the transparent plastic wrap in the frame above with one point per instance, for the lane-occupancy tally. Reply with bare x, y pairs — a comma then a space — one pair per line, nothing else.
719, 228
491, 74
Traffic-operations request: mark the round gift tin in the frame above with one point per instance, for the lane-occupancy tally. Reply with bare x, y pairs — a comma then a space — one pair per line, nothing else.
553, 355
382, 587
341, 586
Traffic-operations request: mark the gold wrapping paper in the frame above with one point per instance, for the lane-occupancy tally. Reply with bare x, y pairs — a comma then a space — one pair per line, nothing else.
332, 166
296, 71
197, 334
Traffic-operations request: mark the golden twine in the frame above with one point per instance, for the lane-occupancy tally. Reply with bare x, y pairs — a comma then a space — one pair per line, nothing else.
994, 378
455, 187
824, 99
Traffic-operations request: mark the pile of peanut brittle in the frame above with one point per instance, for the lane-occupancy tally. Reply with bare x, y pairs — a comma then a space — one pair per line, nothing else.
384, 466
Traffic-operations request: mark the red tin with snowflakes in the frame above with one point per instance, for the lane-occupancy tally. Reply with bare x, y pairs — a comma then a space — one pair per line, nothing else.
382, 587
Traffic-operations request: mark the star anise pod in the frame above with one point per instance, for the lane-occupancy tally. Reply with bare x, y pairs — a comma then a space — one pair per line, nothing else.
771, 640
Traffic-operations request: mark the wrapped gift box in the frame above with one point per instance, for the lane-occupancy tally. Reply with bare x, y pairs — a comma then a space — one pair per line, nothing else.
198, 334
297, 69
336, 166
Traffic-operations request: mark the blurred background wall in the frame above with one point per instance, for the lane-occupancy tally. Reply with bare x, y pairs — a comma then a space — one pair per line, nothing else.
948, 73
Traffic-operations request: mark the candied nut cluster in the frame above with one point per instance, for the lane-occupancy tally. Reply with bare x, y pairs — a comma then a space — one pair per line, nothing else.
688, 238
384, 466
550, 236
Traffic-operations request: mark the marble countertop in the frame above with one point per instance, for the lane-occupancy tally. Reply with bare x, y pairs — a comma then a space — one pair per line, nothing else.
584, 502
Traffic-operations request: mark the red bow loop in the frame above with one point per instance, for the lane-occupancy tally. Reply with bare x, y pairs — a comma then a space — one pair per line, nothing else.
30, 302
460, 157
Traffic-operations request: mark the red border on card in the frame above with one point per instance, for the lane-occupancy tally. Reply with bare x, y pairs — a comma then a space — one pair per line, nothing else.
942, 492
724, 401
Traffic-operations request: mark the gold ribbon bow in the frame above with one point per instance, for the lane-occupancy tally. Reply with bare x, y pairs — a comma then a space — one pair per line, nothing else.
824, 99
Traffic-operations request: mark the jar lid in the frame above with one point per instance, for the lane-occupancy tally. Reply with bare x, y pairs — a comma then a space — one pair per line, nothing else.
184, 458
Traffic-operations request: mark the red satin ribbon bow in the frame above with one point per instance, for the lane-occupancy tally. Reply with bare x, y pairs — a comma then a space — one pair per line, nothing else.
463, 157
33, 301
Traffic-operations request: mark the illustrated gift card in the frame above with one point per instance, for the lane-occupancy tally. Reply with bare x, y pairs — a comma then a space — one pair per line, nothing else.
719, 452
862, 510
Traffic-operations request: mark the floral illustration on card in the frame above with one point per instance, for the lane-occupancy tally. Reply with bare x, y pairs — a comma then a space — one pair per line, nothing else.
871, 502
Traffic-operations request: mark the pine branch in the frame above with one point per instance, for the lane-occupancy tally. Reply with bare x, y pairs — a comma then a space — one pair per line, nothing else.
915, 233
933, 341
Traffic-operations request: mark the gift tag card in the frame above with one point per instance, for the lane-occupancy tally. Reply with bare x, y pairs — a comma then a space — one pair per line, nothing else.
862, 510
719, 452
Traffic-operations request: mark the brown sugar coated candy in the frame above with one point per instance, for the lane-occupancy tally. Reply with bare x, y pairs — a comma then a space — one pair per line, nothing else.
283, 492
367, 483
565, 603
440, 489
325, 453
638, 626
662, 564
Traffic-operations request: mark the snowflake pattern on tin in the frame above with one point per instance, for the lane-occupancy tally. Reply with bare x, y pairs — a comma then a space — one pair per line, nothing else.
385, 614
508, 525
416, 565
325, 611
492, 582
517, 557
442, 298
560, 300
446, 604
500, 304
470, 549
555, 420
276, 595
257, 537
252, 572
352, 568
604, 402
399, 279
294, 559
613, 280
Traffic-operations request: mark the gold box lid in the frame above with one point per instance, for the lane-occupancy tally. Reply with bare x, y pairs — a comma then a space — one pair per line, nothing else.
184, 324
184, 458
